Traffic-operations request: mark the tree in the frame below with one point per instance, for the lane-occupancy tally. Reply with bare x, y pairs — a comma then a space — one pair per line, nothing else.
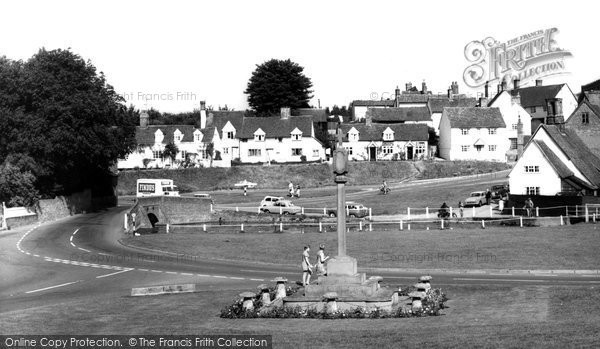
276, 84
170, 152
57, 110
17, 187
210, 148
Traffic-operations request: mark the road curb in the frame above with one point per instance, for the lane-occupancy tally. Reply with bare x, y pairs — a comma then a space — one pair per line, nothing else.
516, 272
165, 289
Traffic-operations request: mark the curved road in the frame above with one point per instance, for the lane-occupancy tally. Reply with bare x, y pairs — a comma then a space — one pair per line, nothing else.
81, 257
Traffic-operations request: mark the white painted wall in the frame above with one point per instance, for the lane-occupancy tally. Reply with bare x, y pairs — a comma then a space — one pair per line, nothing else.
547, 179
271, 149
452, 140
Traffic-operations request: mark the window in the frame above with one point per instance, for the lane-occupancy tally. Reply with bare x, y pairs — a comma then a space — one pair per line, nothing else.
198, 137
513, 143
544, 108
492, 131
420, 148
177, 137
533, 190
226, 150
532, 169
229, 135
315, 153
464, 131
532, 109
203, 154
259, 138
492, 147
296, 151
253, 152
464, 148
478, 147
156, 154
388, 136
585, 118
514, 126
183, 154
349, 149
296, 137
387, 149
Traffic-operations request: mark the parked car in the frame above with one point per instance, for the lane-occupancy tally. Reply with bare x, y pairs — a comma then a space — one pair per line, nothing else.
246, 184
354, 210
477, 198
499, 191
282, 207
270, 200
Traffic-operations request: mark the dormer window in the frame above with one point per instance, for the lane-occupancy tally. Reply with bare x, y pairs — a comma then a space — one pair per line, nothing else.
158, 137
197, 137
259, 135
388, 135
296, 135
230, 135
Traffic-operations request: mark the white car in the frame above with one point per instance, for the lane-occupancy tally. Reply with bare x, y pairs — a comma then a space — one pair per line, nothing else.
477, 198
246, 184
270, 201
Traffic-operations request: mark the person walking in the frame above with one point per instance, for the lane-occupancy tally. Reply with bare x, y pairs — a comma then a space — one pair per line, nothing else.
298, 190
321, 259
529, 207
306, 266
461, 208
291, 189
488, 196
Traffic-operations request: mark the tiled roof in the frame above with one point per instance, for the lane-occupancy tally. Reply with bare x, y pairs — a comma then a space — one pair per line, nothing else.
561, 169
577, 151
413, 98
370, 103
319, 115
274, 127
474, 117
145, 135
594, 85
399, 114
437, 104
535, 96
402, 132
220, 118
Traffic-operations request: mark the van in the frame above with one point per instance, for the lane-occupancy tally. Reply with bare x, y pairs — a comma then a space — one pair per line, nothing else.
156, 187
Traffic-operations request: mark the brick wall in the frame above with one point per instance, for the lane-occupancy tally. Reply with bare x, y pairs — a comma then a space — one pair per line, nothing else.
590, 132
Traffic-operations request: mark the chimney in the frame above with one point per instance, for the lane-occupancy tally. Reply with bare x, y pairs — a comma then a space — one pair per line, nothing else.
449, 93
551, 111
516, 83
486, 89
483, 101
424, 88
519, 138
202, 115
397, 99
285, 113
455, 87
538, 82
503, 88
516, 98
144, 119
406, 87
368, 118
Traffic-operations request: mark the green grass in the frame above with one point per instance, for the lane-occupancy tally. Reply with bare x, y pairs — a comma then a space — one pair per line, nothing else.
478, 316
307, 175
567, 247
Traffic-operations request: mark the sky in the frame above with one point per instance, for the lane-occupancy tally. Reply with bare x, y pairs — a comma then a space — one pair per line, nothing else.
170, 55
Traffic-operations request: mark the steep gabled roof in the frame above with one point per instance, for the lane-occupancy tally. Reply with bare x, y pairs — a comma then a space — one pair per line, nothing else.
274, 127
371, 103
399, 114
220, 118
437, 104
536, 96
577, 151
402, 132
561, 169
145, 135
474, 117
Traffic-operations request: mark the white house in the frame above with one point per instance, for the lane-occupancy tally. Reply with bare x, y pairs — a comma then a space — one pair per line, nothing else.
512, 112
279, 139
437, 104
227, 124
555, 161
385, 142
473, 133
535, 100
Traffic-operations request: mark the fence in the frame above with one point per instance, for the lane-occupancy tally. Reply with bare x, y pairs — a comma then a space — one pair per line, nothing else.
14, 213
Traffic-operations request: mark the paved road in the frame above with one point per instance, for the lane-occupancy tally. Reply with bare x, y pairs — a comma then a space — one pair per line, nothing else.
80, 257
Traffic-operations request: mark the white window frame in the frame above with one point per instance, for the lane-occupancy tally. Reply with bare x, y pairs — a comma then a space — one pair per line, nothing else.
492, 147
492, 131
254, 152
464, 131
259, 138
465, 148
296, 151
532, 190
349, 149
387, 149
532, 169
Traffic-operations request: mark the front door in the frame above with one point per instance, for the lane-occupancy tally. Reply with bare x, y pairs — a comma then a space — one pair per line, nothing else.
409, 152
372, 154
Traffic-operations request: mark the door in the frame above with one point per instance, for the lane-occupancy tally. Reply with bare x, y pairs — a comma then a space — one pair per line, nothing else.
235, 153
409, 152
372, 154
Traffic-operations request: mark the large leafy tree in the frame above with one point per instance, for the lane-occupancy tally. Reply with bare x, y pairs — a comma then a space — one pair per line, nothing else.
58, 112
276, 84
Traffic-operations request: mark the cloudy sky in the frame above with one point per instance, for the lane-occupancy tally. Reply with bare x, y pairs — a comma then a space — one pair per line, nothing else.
171, 54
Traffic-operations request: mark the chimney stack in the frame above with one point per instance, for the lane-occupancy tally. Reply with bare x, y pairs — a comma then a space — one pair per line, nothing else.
144, 119
368, 118
202, 114
486, 89
285, 113
397, 98
503, 88
555, 113
449, 93
516, 83
424, 88
455, 87
538, 82
520, 138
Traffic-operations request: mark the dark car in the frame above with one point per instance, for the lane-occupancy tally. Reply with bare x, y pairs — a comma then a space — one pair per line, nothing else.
499, 191
354, 210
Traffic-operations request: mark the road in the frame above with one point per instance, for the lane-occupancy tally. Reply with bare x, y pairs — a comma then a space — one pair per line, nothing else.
81, 258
